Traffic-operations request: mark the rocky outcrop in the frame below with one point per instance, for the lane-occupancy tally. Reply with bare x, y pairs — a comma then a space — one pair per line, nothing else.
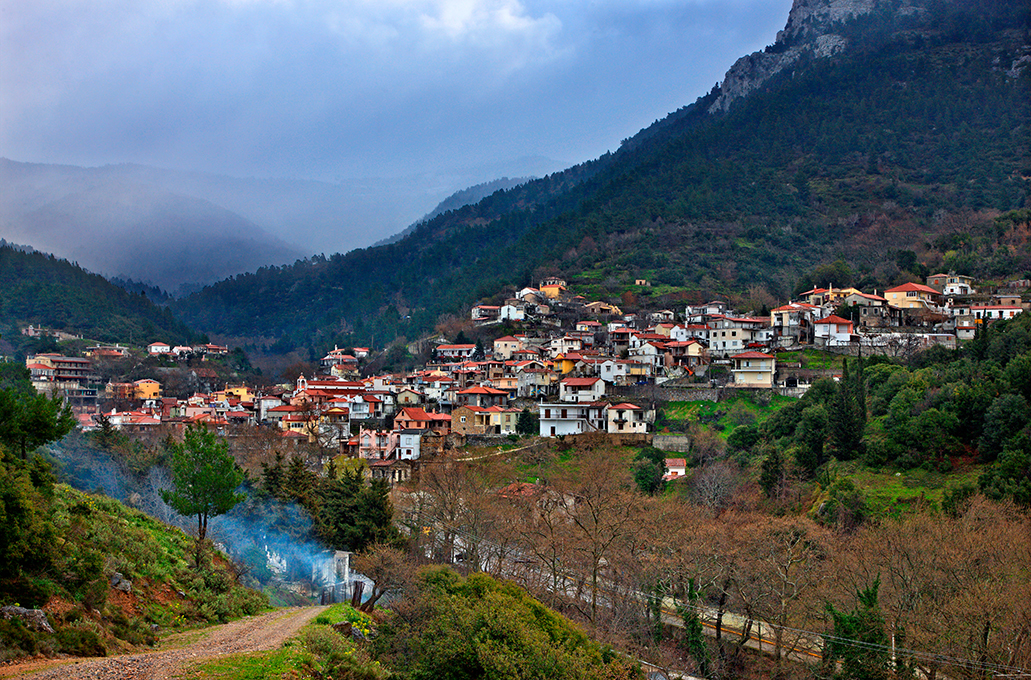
809, 30
36, 619
812, 17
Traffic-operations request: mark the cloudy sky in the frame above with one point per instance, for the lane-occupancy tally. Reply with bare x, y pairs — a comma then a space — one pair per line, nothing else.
334, 89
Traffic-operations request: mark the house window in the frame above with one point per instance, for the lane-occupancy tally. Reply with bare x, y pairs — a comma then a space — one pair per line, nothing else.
462, 419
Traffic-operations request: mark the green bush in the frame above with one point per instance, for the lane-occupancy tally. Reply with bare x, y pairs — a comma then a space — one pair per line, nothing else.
334, 656
16, 640
81, 639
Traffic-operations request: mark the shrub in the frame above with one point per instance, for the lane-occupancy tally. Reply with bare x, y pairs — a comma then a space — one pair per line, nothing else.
334, 656
81, 639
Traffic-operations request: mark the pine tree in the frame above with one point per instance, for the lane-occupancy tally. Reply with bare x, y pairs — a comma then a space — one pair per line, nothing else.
860, 641
272, 477
204, 478
847, 415
771, 472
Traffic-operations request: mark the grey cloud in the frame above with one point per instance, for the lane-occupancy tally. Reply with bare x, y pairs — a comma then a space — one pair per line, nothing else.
326, 89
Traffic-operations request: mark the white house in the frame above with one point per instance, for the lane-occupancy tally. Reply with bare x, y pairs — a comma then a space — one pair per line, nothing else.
409, 444
676, 468
159, 348
561, 419
455, 351
513, 312
995, 312
626, 419
581, 390
834, 330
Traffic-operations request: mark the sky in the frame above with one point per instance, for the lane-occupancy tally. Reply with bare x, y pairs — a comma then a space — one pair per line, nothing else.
343, 89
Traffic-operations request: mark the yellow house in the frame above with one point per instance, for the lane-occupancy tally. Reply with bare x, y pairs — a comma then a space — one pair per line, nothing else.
913, 296
503, 420
822, 296
147, 389
503, 347
753, 369
241, 392
565, 363
553, 291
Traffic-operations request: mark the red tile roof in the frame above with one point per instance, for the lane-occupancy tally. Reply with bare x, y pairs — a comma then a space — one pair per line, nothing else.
912, 287
751, 355
834, 318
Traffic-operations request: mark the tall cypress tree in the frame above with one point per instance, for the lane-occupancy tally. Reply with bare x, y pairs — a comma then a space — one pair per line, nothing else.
847, 416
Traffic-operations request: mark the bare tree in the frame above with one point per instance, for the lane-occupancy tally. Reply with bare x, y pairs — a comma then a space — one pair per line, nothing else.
714, 485
388, 568
784, 562
602, 513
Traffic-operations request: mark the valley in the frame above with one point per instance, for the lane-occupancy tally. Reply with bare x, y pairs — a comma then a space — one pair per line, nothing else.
748, 396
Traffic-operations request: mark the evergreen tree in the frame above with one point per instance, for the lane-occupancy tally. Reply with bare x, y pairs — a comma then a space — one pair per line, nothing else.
29, 420
812, 438
204, 479
527, 423
272, 477
694, 633
860, 641
771, 472
351, 514
299, 482
846, 417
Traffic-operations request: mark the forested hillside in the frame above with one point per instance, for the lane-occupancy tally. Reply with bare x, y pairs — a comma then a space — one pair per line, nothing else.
40, 289
913, 138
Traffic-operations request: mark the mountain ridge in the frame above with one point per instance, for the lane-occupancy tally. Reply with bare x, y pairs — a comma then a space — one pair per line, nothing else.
916, 130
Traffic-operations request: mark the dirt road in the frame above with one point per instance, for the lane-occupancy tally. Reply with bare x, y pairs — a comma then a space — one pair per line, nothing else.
253, 634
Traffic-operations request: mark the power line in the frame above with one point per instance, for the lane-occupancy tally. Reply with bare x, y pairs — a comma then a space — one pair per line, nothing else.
929, 657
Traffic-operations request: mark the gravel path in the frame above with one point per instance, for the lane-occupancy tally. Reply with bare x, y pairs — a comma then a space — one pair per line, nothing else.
252, 634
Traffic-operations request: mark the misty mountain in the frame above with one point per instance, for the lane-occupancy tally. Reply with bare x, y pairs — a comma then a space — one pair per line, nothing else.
293, 217
133, 229
868, 128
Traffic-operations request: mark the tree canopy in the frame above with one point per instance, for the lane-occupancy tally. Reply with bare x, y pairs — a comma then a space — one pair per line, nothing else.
204, 477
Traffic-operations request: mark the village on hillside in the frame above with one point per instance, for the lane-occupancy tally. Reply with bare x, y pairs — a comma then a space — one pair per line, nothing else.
570, 367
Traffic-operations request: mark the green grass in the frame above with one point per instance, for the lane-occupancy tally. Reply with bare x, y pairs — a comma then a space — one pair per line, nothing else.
812, 358
314, 652
728, 410
893, 493
273, 665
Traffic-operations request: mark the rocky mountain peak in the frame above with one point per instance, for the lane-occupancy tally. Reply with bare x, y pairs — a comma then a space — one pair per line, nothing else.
809, 29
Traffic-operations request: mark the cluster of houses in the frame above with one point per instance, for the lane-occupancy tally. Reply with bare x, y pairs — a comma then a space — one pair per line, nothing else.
572, 372
77, 381
948, 308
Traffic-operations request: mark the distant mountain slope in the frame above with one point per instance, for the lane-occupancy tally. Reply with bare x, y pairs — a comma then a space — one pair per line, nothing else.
129, 228
892, 126
459, 199
40, 289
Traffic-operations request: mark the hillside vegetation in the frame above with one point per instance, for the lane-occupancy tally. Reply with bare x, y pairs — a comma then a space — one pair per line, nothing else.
914, 138
63, 549
40, 289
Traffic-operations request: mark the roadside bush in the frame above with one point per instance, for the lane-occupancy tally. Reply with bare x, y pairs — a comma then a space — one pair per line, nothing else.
16, 640
135, 631
334, 656
81, 639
